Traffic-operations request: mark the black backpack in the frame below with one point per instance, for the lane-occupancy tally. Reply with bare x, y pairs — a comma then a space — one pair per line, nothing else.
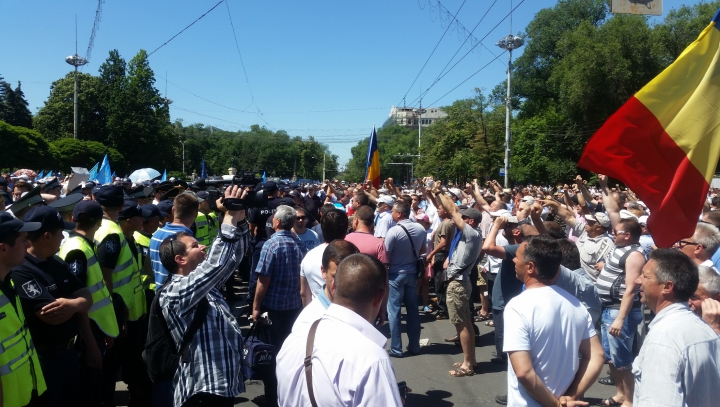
160, 355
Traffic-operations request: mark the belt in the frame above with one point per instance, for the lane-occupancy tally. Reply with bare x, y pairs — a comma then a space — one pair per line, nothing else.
57, 346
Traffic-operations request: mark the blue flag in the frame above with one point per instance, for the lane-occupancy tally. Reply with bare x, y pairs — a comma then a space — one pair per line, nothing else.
40, 176
164, 177
104, 173
264, 178
49, 174
93, 172
203, 171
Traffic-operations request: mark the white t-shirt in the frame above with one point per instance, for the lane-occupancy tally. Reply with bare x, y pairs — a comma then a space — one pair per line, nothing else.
310, 269
310, 238
549, 323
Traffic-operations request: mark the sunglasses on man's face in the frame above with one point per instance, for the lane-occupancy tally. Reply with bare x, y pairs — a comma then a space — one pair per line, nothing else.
301, 217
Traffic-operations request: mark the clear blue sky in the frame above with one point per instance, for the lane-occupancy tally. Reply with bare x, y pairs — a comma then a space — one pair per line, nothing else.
330, 69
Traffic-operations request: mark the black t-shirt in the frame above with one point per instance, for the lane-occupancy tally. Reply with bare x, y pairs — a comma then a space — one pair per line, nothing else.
108, 251
259, 217
38, 283
311, 206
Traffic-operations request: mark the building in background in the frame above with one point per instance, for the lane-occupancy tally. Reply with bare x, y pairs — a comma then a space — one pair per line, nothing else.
411, 117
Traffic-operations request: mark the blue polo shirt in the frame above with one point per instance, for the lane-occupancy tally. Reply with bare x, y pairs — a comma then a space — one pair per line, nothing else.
161, 234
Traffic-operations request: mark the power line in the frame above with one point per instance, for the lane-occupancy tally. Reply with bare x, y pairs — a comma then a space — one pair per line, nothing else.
242, 63
434, 49
183, 30
476, 72
211, 117
442, 75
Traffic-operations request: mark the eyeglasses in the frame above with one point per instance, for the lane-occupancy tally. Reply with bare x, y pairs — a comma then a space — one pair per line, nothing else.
301, 217
683, 243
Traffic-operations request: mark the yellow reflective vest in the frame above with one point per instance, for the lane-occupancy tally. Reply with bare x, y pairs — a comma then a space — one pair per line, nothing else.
126, 275
102, 311
206, 228
213, 226
20, 370
143, 240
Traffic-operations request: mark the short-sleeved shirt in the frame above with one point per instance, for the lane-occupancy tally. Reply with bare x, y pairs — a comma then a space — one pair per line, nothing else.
310, 239
550, 324
108, 251
400, 254
466, 253
369, 244
592, 249
383, 223
447, 230
280, 259
76, 259
310, 269
39, 283
507, 286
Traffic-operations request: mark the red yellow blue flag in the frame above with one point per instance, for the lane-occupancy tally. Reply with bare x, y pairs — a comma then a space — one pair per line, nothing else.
372, 169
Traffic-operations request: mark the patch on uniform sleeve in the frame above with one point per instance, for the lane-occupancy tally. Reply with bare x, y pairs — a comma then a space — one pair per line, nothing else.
74, 267
32, 289
111, 246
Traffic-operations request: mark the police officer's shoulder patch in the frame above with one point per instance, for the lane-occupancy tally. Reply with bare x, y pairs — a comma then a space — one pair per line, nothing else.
111, 246
32, 288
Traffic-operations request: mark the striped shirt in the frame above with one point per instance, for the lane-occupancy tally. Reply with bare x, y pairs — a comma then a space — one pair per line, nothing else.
161, 234
610, 273
215, 358
280, 259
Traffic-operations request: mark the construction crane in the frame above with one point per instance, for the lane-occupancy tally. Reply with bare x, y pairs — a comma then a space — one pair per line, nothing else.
96, 26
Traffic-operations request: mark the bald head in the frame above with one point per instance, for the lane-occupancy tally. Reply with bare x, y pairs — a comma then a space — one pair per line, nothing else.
359, 279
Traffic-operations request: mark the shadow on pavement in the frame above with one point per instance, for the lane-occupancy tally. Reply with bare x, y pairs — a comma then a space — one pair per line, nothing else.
430, 398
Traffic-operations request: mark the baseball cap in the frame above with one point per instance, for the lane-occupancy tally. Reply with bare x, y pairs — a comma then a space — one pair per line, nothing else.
626, 214
88, 210
386, 199
10, 225
456, 192
165, 207
111, 196
473, 214
202, 196
150, 211
422, 216
643, 220
501, 212
600, 218
528, 200
129, 210
49, 219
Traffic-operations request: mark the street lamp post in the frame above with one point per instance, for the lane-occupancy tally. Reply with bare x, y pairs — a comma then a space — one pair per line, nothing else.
508, 43
75, 60
183, 144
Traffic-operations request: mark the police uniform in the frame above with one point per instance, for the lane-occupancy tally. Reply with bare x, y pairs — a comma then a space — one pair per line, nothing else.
114, 251
38, 283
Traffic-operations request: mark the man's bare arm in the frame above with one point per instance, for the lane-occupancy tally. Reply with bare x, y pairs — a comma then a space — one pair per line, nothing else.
479, 198
452, 210
592, 358
611, 205
489, 246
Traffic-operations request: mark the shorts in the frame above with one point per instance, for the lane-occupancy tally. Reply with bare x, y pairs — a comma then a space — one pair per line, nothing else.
619, 349
458, 303
481, 280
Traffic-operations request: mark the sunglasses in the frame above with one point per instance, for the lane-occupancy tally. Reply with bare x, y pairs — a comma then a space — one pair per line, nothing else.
173, 239
301, 217
619, 232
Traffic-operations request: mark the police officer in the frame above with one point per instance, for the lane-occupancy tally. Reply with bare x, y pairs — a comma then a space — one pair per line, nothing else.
151, 222
21, 377
122, 277
206, 224
23, 204
258, 219
54, 302
78, 251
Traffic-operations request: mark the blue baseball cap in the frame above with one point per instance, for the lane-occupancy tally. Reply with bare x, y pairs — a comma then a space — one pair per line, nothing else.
49, 219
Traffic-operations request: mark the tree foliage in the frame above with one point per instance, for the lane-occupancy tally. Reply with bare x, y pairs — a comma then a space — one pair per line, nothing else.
24, 148
69, 152
396, 144
13, 106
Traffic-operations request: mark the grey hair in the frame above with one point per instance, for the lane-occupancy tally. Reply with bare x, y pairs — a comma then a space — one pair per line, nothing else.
286, 215
710, 280
708, 236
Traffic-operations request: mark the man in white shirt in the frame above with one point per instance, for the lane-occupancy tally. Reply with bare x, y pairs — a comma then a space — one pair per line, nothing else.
349, 364
546, 329
383, 216
307, 236
334, 253
679, 362
334, 225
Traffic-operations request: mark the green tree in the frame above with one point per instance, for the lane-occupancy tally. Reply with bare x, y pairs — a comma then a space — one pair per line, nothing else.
13, 106
69, 152
24, 148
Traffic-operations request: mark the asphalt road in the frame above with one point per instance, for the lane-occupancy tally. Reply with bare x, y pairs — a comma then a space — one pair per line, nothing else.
427, 374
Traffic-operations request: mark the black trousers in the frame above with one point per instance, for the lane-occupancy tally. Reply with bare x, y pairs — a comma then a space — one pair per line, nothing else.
61, 369
208, 400
282, 322
499, 331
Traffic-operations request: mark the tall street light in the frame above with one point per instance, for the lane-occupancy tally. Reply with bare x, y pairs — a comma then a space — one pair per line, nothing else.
508, 43
183, 144
75, 60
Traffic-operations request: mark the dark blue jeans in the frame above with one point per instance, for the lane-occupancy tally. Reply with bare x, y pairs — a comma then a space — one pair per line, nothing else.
403, 289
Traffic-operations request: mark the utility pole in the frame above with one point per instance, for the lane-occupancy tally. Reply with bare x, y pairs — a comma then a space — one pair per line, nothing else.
324, 156
75, 60
508, 43
420, 111
183, 144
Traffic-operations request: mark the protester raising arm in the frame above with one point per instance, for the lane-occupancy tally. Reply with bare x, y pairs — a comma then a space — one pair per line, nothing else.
489, 246
477, 193
611, 205
567, 216
452, 210
535, 212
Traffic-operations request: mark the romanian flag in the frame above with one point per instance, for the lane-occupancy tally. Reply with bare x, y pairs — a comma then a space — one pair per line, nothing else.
372, 169
664, 142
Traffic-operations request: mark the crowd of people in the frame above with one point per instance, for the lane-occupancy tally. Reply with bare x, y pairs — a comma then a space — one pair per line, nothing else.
568, 276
